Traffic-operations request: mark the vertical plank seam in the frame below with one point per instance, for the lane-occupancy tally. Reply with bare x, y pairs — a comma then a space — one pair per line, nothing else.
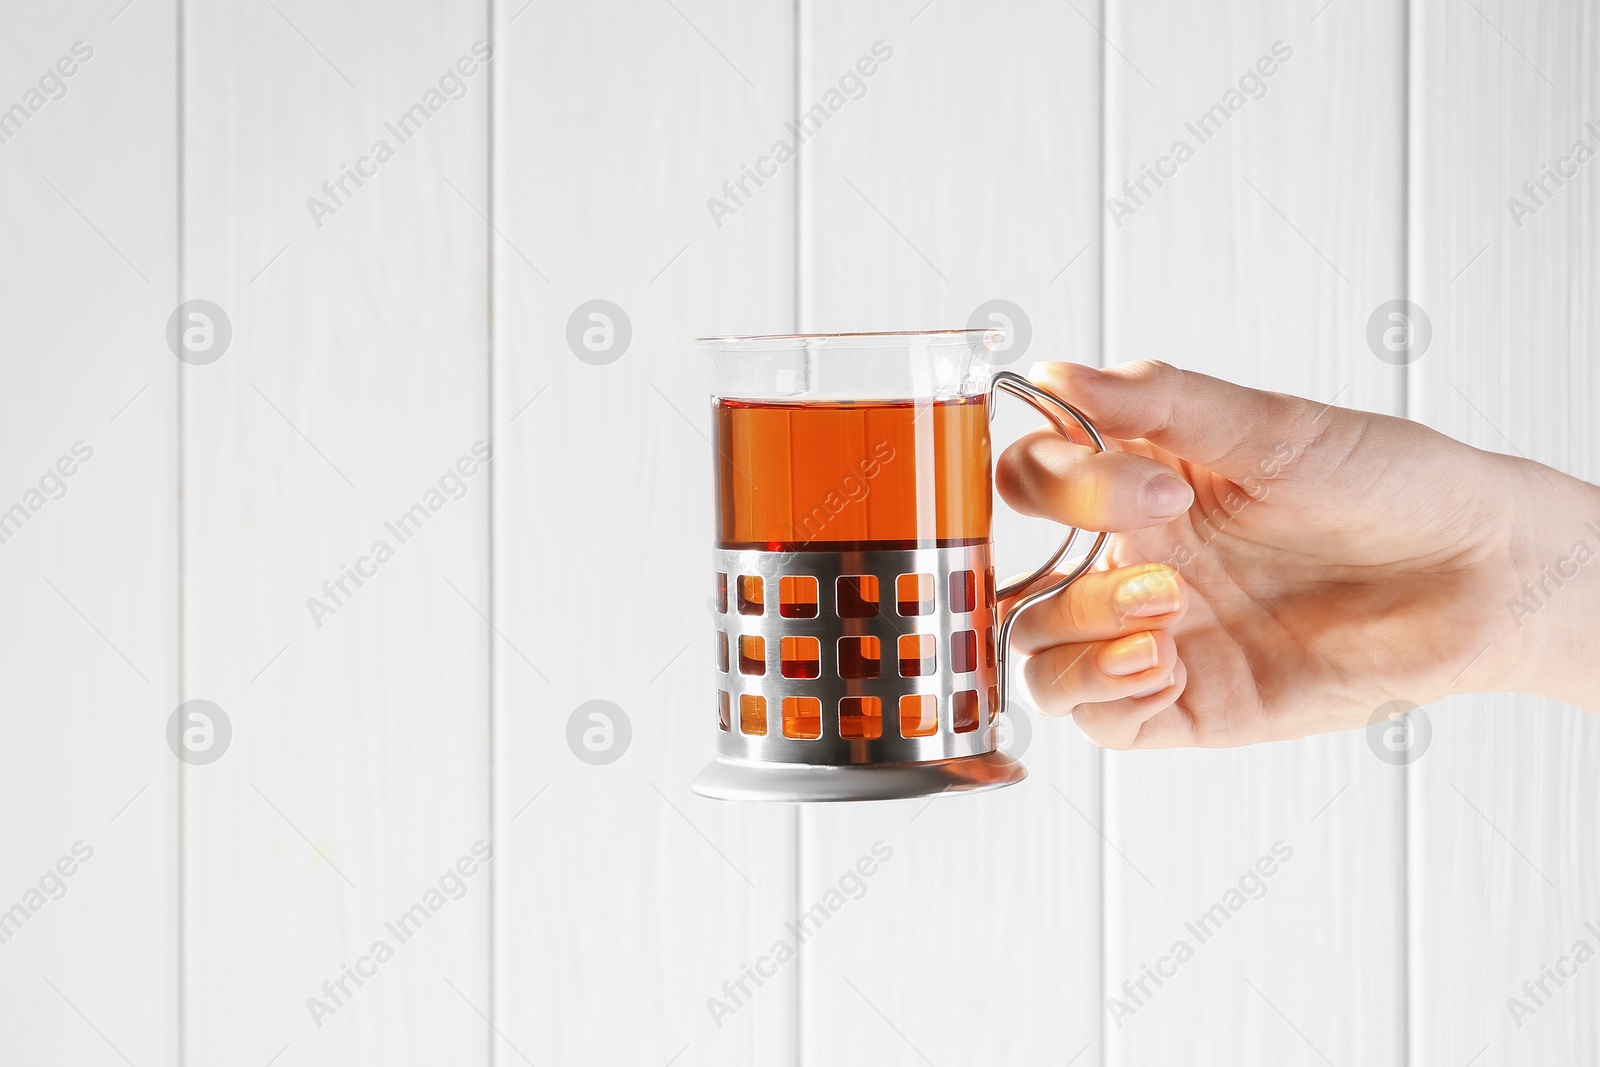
798, 829
1403, 386
493, 601
180, 191
1103, 359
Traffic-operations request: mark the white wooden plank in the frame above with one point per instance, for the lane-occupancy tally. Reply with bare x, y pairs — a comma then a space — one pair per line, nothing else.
1505, 858
967, 172
624, 903
1259, 261
89, 565
356, 380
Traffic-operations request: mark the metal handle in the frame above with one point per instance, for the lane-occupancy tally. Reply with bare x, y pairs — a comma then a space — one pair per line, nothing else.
1052, 408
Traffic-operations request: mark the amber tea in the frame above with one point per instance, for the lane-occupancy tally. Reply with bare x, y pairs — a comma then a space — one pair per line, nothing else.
826, 475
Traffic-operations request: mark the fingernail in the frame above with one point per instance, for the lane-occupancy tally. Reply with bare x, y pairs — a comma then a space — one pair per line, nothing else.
1166, 495
1129, 655
1064, 369
1152, 592
1152, 692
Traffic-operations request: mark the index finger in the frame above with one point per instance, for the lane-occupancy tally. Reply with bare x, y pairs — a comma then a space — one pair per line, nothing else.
1229, 428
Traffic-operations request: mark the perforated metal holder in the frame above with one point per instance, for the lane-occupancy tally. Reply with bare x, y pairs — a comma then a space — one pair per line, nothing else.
881, 659
807, 712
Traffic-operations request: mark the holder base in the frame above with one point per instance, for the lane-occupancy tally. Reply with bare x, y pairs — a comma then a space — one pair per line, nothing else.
802, 783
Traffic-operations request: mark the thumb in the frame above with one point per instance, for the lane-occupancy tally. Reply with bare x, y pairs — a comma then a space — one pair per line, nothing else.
1229, 428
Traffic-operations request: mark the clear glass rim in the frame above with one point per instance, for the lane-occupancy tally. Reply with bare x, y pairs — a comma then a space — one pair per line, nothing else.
953, 338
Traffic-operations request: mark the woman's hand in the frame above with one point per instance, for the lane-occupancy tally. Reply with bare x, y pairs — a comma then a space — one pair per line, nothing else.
1283, 567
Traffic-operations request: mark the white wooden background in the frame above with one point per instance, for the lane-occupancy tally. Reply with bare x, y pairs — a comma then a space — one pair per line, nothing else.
430, 712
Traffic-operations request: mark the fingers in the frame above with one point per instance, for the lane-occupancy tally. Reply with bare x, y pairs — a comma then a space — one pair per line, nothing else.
1145, 719
1226, 427
1045, 475
1102, 605
1140, 722
1063, 677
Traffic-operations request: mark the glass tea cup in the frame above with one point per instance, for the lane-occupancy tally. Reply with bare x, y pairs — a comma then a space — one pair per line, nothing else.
858, 650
